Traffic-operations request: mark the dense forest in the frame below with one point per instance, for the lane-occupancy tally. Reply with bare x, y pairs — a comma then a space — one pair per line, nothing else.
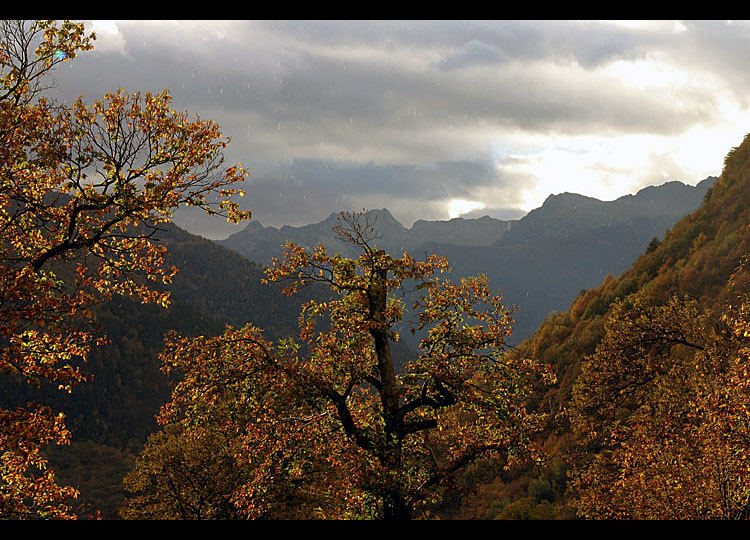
148, 373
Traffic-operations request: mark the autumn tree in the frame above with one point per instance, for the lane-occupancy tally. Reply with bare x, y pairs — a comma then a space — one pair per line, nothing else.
663, 411
187, 474
83, 190
330, 426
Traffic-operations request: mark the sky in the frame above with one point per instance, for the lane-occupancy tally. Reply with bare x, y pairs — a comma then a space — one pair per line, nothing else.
437, 119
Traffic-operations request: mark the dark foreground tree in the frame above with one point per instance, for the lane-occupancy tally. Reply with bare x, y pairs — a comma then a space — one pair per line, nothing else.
331, 427
83, 189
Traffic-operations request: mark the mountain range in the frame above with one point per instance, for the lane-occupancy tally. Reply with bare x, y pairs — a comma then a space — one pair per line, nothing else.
540, 262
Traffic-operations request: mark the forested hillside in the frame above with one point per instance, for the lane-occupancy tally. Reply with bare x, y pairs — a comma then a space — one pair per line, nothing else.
650, 392
695, 258
111, 416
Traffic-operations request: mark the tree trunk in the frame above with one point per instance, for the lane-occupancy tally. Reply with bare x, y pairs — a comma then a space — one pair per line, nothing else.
394, 502
395, 506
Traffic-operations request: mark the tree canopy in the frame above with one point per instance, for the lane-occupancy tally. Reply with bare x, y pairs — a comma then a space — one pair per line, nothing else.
83, 188
662, 408
329, 425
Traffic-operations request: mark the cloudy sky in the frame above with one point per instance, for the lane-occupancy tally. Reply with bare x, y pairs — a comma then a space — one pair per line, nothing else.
438, 119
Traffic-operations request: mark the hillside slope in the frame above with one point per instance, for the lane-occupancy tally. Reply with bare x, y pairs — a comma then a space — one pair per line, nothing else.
111, 416
634, 403
695, 258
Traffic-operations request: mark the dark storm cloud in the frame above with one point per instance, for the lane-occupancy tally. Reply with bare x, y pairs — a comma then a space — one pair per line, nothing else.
472, 42
473, 53
285, 79
315, 184
438, 181
531, 93
326, 113
322, 97
529, 41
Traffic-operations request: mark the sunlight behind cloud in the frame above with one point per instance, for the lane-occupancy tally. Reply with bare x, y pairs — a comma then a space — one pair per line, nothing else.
108, 36
609, 167
650, 74
458, 207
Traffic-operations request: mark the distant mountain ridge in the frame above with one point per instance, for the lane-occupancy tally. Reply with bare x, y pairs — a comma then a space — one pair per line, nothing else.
569, 212
259, 243
559, 215
540, 262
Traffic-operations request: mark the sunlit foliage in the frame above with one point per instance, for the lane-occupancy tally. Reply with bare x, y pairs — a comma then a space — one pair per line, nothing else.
328, 426
83, 188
